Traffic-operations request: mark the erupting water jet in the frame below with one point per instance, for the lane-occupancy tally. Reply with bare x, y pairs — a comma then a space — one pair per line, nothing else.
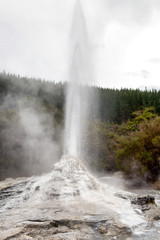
77, 97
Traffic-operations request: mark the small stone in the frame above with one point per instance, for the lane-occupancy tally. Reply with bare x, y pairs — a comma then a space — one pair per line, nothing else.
103, 229
27, 237
143, 200
156, 218
37, 188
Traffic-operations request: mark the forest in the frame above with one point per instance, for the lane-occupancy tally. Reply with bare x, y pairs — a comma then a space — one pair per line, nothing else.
123, 135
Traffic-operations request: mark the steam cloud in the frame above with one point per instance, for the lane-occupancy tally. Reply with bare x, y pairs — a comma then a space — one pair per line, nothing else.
31, 139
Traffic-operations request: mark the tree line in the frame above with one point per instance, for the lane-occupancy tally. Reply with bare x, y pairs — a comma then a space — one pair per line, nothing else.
115, 105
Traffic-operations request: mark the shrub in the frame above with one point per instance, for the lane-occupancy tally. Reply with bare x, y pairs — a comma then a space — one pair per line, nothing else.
139, 151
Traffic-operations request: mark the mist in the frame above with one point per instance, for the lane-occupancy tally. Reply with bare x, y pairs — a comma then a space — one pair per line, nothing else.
32, 140
40, 146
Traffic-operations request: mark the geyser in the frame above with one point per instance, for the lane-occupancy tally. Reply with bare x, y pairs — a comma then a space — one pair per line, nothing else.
78, 94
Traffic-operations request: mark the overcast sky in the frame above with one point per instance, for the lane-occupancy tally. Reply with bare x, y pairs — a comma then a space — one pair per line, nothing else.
124, 39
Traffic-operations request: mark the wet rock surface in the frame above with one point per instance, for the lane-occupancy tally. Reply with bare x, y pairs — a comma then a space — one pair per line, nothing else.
65, 229
147, 206
70, 204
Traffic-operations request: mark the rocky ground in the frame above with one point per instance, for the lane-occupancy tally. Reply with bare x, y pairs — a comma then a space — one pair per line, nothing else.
70, 204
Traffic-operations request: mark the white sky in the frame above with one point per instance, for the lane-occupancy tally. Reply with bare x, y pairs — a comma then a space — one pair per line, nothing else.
124, 37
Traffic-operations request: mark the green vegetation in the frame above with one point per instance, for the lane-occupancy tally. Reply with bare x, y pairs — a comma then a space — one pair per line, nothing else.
132, 147
138, 151
124, 135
